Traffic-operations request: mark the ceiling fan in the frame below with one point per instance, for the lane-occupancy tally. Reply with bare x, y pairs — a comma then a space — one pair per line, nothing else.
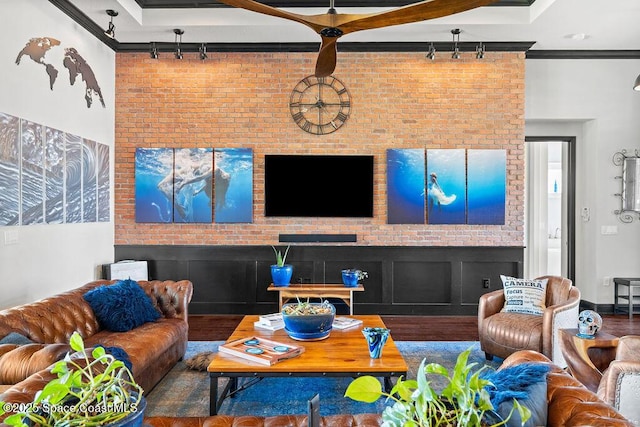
332, 25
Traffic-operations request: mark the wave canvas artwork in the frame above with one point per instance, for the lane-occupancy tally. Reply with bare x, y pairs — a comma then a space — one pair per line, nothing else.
405, 186
487, 186
9, 169
446, 186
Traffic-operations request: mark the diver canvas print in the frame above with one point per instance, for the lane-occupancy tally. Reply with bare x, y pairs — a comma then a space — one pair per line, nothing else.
54, 176
154, 185
405, 186
446, 186
9, 169
487, 186
193, 185
32, 173
233, 185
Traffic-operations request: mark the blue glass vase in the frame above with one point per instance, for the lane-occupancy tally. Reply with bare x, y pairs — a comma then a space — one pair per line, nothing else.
281, 276
350, 278
376, 339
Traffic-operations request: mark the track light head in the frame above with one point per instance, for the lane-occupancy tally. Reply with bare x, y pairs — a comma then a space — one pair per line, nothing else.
203, 51
178, 32
153, 53
480, 50
456, 38
636, 85
111, 30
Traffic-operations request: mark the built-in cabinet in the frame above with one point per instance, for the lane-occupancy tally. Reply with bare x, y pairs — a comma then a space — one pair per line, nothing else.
402, 280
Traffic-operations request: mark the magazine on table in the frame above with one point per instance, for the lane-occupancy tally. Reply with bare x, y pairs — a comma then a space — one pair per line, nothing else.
341, 322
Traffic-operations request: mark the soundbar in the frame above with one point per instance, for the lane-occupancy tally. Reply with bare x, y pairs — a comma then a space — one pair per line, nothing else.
307, 238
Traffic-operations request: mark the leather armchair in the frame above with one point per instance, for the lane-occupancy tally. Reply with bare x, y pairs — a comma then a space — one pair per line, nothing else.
620, 383
502, 334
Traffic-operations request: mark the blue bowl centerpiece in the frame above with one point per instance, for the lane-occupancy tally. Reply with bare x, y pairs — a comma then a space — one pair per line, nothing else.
308, 321
351, 276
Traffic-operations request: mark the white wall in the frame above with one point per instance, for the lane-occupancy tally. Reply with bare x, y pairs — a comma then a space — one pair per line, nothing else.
593, 101
50, 258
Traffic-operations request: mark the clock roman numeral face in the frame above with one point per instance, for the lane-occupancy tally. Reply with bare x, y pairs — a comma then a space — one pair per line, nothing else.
320, 105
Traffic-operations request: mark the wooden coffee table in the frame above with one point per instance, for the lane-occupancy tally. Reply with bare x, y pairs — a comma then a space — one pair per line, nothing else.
343, 354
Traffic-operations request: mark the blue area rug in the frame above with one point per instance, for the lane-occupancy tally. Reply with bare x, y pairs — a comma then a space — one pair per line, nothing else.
184, 392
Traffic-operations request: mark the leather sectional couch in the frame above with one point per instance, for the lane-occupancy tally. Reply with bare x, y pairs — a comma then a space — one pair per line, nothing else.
153, 348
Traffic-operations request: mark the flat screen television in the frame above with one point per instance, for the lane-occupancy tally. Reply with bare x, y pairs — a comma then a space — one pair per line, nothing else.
319, 185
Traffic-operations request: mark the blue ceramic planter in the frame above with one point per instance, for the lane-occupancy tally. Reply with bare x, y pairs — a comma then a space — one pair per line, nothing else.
350, 278
135, 418
281, 276
308, 327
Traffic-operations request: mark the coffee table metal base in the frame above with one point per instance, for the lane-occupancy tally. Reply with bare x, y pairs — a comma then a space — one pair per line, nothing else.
230, 389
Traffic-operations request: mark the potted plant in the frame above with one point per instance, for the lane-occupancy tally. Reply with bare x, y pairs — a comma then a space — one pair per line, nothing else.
281, 272
351, 277
308, 321
90, 390
464, 401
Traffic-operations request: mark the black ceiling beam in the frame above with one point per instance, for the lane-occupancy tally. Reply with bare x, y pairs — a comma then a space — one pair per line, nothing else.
583, 54
190, 4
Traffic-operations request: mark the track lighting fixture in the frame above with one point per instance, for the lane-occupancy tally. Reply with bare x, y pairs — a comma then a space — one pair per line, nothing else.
636, 85
203, 51
178, 32
456, 38
480, 51
111, 30
432, 52
153, 53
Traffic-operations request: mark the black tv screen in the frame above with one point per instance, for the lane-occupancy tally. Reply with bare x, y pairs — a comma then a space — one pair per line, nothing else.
318, 186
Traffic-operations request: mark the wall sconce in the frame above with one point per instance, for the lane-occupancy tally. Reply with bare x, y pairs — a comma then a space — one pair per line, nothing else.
111, 30
480, 51
178, 32
203, 51
456, 38
153, 53
636, 85
432, 52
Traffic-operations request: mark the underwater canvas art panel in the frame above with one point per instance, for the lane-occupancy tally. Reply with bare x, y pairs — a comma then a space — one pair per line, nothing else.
54, 176
193, 185
446, 186
233, 185
9, 169
486, 186
32, 177
154, 185
405, 186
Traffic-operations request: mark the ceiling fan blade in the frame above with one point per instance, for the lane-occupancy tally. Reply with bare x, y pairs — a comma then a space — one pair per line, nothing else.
422, 11
327, 57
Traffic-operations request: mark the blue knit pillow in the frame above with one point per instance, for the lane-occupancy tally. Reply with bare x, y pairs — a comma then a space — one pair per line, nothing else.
527, 383
122, 306
118, 353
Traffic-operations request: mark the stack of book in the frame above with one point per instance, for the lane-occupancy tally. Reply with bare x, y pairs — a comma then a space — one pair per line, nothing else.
271, 322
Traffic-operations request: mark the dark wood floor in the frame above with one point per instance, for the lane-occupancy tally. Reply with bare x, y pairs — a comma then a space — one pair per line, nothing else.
403, 328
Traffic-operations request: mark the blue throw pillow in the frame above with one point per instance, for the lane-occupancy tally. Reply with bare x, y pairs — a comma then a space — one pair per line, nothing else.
120, 354
15, 338
527, 383
122, 306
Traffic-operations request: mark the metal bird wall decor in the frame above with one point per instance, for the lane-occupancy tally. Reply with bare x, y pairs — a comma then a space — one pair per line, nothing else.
332, 25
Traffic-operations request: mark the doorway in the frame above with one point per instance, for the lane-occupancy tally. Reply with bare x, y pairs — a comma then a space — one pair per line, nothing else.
549, 207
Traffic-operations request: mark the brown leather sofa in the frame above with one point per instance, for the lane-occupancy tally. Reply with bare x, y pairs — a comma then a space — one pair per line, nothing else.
570, 404
153, 348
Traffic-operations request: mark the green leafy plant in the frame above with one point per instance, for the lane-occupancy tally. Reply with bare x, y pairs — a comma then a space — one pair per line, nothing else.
463, 402
360, 274
280, 258
88, 391
302, 308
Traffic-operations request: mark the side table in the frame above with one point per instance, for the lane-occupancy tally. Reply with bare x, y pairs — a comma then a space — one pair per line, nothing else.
316, 291
588, 358
630, 283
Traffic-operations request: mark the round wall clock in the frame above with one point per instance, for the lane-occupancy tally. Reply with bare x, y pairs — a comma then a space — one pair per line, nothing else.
320, 105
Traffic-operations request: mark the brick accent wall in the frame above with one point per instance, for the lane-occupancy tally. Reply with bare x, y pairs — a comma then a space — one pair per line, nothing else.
399, 100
